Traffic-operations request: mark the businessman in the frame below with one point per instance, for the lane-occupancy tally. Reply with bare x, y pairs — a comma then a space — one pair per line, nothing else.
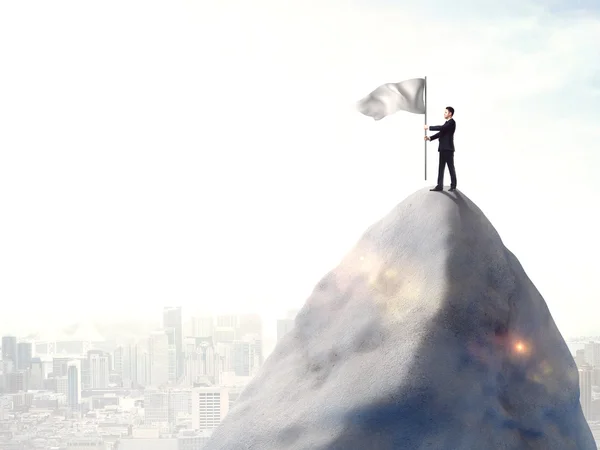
446, 148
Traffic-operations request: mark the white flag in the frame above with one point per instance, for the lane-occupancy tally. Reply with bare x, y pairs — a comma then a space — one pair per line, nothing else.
393, 97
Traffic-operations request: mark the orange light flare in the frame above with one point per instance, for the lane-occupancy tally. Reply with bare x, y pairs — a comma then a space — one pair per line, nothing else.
521, 348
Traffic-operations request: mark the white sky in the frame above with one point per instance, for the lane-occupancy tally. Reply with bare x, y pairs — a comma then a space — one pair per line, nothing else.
207, 154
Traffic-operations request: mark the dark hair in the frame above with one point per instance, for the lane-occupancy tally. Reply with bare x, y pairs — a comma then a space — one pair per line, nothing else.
450, 110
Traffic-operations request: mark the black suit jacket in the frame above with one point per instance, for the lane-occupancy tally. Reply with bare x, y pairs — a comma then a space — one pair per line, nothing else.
445, 135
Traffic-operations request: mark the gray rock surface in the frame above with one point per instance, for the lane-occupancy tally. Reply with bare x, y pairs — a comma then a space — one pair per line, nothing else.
428, 335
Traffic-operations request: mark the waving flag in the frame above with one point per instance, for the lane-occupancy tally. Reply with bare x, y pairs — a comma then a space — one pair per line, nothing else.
390, 98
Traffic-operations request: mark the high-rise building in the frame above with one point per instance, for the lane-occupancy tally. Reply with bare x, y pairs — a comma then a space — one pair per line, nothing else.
173, 324
592, 353
9, 350
16, 381
24, 353
180, 402
585, 390
129, 375
224, 335
73, 383
203, 326
117, 360
59, 366
174, 361
172, 364
595, 376
225, 356
201, 361
159, 358
210, 405
7, 367
162, 406
156, 407
143, 368
62, 386
226, 327
227, 321
36, 377
86, 378
580, 357
246, 356
99, 369
249, 324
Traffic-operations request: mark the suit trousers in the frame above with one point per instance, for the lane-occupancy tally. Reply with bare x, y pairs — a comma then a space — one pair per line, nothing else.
446, 157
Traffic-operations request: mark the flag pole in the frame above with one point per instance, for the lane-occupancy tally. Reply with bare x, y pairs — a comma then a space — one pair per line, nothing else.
425, 142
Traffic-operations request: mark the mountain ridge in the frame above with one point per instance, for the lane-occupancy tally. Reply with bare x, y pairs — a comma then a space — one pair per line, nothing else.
428, 334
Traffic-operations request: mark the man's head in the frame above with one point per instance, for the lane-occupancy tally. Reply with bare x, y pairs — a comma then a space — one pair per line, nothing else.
448, 112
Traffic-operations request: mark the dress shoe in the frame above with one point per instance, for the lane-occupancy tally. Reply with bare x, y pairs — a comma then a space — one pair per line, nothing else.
437, 189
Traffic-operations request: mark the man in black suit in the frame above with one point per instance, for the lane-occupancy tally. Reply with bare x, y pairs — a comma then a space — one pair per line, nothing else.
445, 149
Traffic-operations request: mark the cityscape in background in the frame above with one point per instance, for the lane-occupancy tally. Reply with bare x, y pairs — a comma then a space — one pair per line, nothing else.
167, 390
586, 351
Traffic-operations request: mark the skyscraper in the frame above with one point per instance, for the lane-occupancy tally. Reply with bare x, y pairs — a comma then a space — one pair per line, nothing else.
16, 382
86, 377
73, 383
249, 324
250, 327
59, 366
201, 361
62, 386
580, 357
226, 327
129, 374
585, 390
24, 353
158, 347
143, 368
9, 350
203, 326
173, 325
592, 353
36, 378
118, 360
99, 369
246, 356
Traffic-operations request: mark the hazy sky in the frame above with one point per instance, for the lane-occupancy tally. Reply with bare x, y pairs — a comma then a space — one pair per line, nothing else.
207, 153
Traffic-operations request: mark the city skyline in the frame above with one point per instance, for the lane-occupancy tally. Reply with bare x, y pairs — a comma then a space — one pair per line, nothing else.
191, 326
160, 387
244, 332
137, 382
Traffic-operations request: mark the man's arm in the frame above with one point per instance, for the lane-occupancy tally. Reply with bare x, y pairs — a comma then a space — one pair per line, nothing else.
444, 127
439, 128
448, 126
